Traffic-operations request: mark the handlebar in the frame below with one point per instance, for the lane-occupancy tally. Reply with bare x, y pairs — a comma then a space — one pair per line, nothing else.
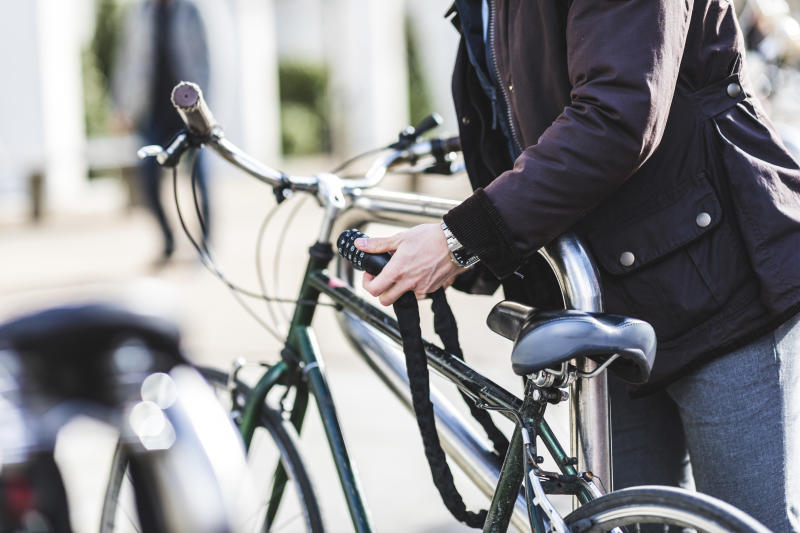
191, 106
202, 128
434, 147
449, 144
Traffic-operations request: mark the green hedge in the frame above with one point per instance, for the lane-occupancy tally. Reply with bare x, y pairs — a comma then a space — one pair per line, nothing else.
305, 128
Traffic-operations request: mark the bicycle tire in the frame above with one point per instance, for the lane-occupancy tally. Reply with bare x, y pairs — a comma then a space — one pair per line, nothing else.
116, 476
659, 509
281, 433
139, 515
279, 440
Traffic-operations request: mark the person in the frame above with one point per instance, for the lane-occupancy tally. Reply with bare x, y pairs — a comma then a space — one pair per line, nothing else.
164, 43
630, 124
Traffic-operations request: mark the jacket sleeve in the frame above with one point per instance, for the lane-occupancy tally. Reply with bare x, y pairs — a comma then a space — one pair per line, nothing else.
623, 62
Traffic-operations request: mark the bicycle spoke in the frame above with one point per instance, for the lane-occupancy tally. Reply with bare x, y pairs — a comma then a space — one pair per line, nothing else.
273, 451
290, 520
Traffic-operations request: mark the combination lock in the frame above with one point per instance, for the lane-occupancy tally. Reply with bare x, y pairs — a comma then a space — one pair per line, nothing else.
372, 263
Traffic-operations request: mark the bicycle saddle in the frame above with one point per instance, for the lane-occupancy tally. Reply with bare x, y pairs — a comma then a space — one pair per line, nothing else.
548, 338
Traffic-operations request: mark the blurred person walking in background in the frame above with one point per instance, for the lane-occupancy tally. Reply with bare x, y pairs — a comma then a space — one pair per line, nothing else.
164, 42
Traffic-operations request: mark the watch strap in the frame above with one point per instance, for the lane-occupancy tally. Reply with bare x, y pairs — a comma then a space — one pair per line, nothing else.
458, 254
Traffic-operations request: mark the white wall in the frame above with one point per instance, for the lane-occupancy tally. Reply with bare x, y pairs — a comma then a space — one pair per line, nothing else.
258, 77
365, 48
59, 25
300, 30
41, 101
437, 43
223, 43
21, 137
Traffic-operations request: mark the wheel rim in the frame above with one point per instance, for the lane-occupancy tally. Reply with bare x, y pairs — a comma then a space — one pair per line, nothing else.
642, 514
268, 448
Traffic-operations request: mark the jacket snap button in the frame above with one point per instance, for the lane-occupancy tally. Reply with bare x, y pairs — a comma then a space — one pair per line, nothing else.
465, 121
510, 88
627, 259
734, 90
703, 220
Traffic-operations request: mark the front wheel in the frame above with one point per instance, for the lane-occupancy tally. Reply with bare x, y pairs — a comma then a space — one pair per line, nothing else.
662, 509
274, 458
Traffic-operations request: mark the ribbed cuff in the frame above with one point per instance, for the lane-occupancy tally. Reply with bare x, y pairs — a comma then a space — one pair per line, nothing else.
478, 226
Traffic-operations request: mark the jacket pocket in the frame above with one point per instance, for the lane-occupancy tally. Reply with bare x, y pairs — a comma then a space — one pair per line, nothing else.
669, 263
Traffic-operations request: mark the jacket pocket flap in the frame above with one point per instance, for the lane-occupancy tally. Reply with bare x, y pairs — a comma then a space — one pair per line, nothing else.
670, 224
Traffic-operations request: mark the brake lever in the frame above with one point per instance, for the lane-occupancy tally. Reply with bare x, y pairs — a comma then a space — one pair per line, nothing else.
151, 150
169, 156
445, 168
410, 134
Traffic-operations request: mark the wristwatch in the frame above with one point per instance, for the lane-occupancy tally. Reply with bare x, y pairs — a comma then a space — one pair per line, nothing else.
458, 254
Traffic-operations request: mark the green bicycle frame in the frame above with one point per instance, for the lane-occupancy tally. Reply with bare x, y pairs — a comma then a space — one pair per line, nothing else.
300, 369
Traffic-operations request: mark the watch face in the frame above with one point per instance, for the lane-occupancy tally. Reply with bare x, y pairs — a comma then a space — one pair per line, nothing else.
458, 253
463, 258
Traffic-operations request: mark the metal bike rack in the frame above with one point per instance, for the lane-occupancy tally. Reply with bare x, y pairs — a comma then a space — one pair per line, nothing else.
589, 413
579, 281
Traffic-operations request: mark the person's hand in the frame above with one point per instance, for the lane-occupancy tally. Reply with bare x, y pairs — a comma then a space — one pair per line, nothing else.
420, 263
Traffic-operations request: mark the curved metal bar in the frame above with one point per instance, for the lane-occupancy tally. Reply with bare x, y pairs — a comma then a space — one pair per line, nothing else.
589, 411
396, 207
231, 153
379, 168
576, 273
234, 155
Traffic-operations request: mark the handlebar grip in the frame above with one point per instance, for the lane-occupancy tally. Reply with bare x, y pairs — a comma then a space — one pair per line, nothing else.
188, 101
372, 263
434, 120
440, 148
451, 144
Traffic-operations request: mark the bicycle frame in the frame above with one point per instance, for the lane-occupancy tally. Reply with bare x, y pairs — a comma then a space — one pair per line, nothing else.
300, 367
378, 340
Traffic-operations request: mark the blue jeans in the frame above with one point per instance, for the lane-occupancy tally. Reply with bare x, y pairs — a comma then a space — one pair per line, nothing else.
730, 429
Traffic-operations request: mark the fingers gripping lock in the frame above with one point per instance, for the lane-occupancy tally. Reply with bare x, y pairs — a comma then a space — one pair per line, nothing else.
372, 263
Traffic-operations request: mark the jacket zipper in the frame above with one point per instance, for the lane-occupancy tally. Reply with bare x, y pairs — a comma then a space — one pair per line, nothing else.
496, 73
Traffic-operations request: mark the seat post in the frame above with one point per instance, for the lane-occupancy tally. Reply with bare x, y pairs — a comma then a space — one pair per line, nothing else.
589, 412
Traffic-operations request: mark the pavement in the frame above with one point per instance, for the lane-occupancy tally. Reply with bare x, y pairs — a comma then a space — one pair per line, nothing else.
105, 251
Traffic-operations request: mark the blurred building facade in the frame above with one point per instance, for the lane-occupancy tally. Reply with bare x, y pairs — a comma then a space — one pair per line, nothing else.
41, 131
360, 44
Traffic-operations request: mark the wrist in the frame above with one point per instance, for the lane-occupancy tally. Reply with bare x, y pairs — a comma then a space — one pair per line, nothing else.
459, 255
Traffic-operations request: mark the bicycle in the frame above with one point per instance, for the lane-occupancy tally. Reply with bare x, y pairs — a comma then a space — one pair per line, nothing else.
277, 403
124, 368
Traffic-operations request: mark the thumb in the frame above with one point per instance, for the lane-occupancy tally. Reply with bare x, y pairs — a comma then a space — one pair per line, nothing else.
377, 245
